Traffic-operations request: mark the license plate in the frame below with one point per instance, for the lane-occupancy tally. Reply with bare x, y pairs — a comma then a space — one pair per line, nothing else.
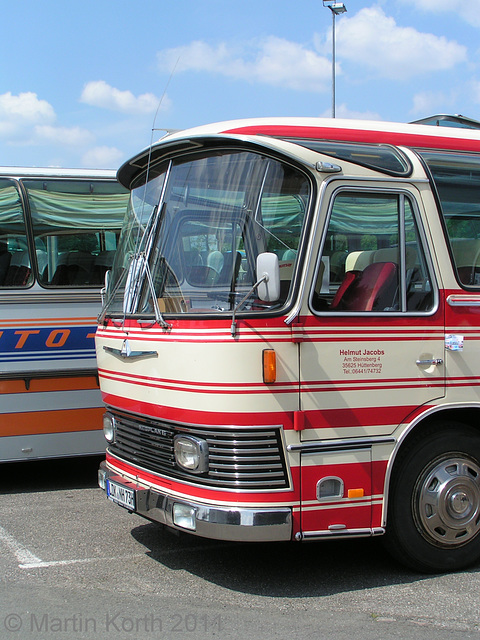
121, 495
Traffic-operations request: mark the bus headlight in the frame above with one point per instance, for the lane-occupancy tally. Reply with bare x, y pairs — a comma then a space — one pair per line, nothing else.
109, 427
191, 454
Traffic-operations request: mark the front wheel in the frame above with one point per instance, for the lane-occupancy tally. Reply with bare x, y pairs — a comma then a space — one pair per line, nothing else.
433, 519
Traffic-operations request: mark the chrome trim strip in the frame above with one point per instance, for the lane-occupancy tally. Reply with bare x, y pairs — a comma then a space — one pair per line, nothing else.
67, 296
220, 523
344, 533
463, 300
340, 445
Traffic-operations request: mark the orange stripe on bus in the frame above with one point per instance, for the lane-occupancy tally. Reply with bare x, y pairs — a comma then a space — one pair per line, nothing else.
62, 421
36, 385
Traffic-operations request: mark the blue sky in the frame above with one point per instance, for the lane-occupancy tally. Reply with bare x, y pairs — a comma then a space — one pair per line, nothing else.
84, 83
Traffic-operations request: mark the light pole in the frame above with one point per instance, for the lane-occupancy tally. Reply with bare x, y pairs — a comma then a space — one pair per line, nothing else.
336, 8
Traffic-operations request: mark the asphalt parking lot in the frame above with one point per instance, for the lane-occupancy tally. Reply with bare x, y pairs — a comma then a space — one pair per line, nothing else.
73, 565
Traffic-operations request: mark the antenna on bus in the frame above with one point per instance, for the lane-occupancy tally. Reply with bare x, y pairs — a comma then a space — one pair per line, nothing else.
162, 98
138, 255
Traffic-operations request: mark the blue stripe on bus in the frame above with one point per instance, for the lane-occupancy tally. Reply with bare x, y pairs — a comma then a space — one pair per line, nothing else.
47, 340
49, 358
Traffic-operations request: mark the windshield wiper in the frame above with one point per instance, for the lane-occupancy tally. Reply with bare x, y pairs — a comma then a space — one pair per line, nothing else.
139, 268
156, 309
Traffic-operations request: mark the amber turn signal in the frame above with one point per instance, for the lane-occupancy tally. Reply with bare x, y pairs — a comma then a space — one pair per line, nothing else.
269, 366
356, 493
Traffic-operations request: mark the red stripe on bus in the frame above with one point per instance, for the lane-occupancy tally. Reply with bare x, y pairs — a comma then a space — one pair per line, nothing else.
249, 388
214, 418
359, 135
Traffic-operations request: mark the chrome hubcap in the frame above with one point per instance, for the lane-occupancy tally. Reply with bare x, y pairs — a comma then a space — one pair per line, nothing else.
448, 501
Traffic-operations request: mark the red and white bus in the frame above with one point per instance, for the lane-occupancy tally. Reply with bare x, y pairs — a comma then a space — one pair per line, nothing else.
58, 234
289, 344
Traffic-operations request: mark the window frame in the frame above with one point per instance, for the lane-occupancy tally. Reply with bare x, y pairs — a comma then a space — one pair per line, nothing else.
423, 157
403, 194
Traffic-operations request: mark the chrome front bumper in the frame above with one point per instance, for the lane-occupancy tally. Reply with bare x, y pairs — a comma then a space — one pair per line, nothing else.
219, 523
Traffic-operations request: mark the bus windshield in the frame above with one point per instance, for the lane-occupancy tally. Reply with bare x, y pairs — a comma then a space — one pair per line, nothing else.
194, 228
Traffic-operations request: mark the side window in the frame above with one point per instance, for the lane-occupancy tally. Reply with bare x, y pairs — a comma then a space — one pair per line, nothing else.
457, 180
15, 265
372, 259
76, 224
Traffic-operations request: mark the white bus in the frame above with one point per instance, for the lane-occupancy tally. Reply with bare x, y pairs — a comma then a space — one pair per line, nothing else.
289, 345
58, 233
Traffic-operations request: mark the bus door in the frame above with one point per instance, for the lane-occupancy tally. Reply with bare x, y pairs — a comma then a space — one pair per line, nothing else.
373, 352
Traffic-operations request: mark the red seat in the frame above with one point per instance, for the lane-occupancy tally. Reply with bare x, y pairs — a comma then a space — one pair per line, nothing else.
372, 289
348, 279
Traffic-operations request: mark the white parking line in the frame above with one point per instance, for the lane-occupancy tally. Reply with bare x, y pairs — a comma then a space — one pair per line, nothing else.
61, 563
52, 563
21, 553
27, 560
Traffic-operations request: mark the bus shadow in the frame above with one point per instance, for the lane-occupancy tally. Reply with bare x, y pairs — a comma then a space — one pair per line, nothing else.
49, 475
291, 569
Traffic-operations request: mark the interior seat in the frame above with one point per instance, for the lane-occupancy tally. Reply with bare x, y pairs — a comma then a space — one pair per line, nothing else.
19, 271
372, 289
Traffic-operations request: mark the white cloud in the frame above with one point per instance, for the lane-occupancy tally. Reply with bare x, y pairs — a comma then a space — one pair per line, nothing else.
28, 122
427, 103
100, 94
370, 38
375, 41
103, 158
71, 136
468, 11
274, 61
284, 63
24, 109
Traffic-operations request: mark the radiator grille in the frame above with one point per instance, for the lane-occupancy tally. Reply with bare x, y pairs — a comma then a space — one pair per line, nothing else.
239, 458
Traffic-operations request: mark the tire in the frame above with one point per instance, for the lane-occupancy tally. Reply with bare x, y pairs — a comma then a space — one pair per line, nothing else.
433, 521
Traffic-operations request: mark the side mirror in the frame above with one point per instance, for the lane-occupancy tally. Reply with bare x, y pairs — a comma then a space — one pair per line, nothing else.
268, 269
103, 291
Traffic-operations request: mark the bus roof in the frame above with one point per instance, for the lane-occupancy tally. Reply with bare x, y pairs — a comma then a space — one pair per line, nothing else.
422, 136
376, 132
55, 172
